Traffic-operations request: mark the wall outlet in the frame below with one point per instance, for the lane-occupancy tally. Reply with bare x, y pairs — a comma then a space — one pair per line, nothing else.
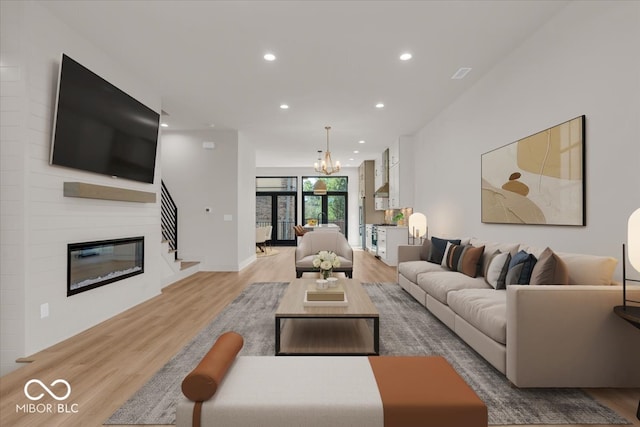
228, 217
44, 310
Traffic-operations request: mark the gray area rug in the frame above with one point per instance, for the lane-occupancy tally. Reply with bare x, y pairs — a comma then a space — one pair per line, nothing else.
406, 328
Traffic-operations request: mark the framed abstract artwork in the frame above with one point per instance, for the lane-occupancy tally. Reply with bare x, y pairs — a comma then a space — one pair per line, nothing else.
539, 179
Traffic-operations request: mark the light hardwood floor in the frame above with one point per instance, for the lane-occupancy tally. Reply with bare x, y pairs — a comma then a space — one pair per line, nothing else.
106, 364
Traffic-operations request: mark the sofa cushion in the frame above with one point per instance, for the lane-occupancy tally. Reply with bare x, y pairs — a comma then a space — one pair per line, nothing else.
491, 247
486, 310
589, 270
497, 268
549, 270
464, 259
439, 284
438, 247
411, 269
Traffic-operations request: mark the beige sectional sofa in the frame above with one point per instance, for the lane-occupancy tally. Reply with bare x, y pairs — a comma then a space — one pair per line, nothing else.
547, 335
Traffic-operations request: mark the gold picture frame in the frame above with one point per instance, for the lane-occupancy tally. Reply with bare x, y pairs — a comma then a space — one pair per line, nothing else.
538, 180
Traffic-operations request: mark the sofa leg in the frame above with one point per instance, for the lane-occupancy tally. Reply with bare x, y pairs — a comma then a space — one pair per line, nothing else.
298, 274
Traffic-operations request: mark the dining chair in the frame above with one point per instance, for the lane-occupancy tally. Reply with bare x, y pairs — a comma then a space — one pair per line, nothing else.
261, 238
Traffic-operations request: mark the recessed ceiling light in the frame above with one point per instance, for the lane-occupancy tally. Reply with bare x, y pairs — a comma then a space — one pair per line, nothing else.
351, 159
405, 56
212, 125
269, 57
379, 105
164, 125
361, 141
355, 151
461, 73
284, 106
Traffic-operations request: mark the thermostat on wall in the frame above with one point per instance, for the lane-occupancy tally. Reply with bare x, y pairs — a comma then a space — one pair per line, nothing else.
208, 145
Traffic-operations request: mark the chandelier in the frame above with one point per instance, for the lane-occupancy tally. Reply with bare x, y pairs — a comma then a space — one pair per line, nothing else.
326, 166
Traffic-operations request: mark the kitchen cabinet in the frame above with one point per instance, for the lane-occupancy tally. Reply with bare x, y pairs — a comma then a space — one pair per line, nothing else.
401, 176
381, 204
394, 187
379, 175
369, 236
389, 238
394, 154
382, 181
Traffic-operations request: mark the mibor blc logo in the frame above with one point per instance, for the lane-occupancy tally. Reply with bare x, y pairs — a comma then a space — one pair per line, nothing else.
35, 390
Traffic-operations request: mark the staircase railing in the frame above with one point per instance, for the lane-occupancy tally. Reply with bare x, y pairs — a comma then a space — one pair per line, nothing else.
169, 214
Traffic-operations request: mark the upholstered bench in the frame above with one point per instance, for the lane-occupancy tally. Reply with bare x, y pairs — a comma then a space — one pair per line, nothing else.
325, 391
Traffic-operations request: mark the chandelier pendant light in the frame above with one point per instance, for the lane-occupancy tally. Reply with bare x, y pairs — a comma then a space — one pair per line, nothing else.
326, 166
320, 187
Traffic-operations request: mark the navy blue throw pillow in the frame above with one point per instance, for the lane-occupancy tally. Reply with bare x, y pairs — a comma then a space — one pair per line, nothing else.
528, 261
438, 247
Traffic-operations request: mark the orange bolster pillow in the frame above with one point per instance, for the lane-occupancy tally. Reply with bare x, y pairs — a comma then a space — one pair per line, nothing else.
202, 383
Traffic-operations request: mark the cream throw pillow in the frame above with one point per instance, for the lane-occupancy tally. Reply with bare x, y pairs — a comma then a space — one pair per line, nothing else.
497, 268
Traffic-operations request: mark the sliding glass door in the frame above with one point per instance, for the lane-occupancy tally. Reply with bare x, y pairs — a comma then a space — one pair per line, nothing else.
276, 206
329, 208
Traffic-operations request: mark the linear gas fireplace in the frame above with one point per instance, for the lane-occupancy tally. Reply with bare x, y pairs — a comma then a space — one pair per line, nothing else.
94, 264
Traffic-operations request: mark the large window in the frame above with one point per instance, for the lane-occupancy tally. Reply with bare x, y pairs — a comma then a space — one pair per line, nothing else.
328, 208
276, 203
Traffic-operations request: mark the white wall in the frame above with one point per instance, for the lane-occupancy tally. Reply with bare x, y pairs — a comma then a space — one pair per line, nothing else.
246, 201
13, 130
198, 178
352, 202
37, 221
583, 61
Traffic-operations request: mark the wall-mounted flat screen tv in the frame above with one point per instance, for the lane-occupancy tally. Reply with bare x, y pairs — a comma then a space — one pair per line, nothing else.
99, 128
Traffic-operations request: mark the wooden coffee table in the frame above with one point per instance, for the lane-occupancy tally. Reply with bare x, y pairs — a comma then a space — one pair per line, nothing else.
353, 329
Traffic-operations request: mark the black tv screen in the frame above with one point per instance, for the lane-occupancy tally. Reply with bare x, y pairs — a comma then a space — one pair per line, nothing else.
99, 128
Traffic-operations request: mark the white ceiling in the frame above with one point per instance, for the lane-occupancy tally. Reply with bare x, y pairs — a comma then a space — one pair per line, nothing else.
335, 61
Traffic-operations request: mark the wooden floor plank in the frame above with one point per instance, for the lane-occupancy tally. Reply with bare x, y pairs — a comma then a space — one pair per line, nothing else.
108, 363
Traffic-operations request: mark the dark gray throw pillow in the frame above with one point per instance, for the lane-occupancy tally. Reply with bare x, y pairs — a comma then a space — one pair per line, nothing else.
438, 247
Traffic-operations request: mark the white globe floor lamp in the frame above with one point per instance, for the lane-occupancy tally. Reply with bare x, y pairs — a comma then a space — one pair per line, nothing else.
417, 226
633, 240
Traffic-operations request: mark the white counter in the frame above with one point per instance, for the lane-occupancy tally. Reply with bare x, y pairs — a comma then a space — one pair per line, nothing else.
322, 227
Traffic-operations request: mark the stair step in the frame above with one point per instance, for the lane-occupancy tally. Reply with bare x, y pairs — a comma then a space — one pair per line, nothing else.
186, 264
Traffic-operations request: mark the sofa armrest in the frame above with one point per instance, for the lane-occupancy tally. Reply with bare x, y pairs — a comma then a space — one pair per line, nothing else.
408, 253
303, 248
569, 336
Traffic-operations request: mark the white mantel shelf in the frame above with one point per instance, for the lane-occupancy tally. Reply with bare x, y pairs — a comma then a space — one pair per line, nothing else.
102, 192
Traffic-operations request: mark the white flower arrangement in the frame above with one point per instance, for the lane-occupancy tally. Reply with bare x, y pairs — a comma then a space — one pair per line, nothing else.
326, 261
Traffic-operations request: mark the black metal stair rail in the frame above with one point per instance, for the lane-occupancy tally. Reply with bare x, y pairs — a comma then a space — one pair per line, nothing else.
169, 214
